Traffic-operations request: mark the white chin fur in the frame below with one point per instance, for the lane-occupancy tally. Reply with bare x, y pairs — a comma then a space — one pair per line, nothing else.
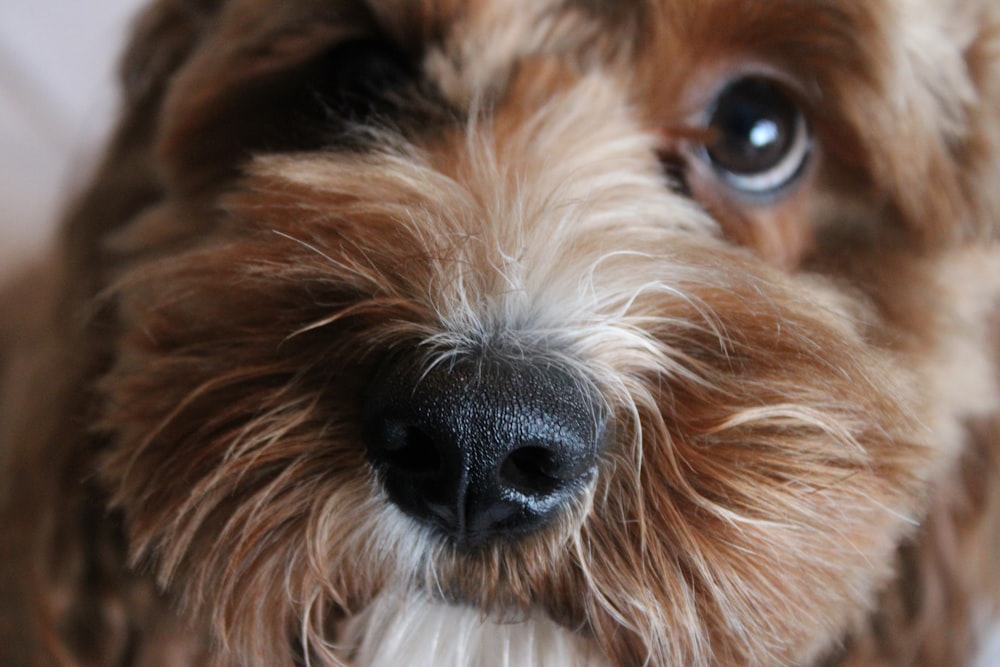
414, 632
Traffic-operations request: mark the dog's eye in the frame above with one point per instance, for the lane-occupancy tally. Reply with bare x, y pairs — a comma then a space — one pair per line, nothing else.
760, 139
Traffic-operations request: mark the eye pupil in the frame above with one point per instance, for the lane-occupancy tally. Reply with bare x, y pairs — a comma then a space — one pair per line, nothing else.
760, 140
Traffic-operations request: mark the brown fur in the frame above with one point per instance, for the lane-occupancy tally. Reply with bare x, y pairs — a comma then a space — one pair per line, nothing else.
804, 466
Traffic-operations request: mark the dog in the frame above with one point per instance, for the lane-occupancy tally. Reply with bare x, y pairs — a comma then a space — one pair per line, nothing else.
519, 332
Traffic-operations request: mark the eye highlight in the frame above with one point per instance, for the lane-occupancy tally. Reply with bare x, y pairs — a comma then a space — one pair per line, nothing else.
760, 140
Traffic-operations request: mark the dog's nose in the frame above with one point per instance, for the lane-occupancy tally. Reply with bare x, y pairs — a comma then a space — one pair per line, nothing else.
482, 447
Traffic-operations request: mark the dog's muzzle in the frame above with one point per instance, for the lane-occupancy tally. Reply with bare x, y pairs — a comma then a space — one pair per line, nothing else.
482, 446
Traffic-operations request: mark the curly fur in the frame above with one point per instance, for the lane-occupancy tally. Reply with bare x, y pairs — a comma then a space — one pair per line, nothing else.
802, 393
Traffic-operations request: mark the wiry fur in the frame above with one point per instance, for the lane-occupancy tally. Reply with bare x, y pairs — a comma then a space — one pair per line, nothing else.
802, 464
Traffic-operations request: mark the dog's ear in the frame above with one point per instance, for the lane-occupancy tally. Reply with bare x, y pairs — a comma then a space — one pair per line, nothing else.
980, 158
127, 182
268, 75
163, 37
207, 84
940, 141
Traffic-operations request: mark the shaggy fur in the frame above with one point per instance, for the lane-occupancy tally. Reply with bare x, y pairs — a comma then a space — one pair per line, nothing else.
802, 461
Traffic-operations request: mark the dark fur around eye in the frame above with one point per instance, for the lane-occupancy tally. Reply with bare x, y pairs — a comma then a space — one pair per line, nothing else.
358, 83
360, 80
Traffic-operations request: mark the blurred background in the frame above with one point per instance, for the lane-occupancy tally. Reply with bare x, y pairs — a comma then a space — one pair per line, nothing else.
58, 99
57, 102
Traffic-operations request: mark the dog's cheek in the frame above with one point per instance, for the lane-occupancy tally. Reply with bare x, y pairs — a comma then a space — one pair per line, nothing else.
234, 450
769, 489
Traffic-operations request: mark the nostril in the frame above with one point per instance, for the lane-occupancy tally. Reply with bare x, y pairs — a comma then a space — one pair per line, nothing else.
410, 449
532, 470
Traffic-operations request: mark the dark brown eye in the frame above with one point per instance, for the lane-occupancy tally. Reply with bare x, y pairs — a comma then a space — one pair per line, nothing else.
761, 139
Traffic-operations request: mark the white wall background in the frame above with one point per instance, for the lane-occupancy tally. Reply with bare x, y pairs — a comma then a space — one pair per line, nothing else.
57, 102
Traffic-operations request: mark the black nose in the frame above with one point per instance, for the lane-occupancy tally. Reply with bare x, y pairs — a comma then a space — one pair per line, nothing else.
484, 446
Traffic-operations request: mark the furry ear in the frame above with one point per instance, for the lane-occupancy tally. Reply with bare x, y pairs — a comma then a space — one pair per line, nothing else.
163, 36
208, 84
947, 103
980, 158
126, 182
269, 76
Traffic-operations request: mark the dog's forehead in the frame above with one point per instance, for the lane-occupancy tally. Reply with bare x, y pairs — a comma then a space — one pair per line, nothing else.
473, 48
470, 50
670, 56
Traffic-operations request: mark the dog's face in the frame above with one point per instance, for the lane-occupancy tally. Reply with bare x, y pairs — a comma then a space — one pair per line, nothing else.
603, 316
